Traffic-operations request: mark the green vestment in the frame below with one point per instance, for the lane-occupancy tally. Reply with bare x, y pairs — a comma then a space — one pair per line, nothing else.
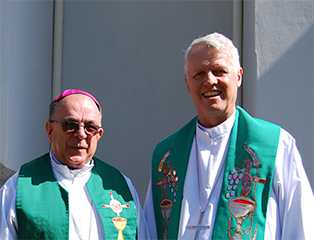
249, 165
42, 205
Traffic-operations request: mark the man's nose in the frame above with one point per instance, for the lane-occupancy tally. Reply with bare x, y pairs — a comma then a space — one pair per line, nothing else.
210, 78
81, 132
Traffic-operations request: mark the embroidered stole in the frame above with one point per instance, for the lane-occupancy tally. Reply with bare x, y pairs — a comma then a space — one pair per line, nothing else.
42, 205
249, 167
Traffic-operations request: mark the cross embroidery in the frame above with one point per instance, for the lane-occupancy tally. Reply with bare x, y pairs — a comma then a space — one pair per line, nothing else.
115, 205
165, 180
247, 178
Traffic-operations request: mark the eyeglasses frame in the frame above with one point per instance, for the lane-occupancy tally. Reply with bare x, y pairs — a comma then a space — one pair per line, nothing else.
75, 130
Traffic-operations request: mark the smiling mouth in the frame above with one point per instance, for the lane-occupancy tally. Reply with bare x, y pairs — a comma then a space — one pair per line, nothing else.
79, 147
211, 94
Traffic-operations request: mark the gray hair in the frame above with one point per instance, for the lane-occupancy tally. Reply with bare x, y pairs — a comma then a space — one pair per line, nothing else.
217, 41
53, 106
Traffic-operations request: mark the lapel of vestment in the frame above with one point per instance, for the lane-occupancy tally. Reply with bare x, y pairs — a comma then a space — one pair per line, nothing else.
247, 179
169, 166
113, 201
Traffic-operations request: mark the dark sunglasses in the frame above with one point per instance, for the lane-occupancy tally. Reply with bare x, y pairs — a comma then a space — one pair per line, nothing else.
71, 126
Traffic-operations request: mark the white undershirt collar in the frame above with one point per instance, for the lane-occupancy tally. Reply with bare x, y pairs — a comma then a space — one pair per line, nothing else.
65, 171
215, 133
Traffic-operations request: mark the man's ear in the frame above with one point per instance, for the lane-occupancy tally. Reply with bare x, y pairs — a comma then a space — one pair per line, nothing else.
49, 127
187, 84
239, 74
100, 133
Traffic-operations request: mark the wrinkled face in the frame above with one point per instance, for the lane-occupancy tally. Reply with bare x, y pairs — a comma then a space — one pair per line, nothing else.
213, 81
74, 149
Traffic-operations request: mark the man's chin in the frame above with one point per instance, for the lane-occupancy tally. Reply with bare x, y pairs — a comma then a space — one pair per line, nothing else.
76, 162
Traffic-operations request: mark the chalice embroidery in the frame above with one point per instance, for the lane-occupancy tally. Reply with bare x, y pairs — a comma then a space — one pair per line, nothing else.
242, 207
168, 178
118, 222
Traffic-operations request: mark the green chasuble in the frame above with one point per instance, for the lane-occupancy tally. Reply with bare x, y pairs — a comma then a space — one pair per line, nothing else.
246, 183
42, 205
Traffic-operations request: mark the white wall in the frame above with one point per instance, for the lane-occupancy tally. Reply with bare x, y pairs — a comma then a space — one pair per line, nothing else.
25, 91
129, 54
285, 59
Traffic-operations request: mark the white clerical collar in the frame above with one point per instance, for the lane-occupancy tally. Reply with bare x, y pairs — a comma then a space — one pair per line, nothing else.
64, 170
216, 132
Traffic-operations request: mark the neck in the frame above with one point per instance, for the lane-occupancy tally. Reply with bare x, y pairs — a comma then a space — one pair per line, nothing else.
210, 121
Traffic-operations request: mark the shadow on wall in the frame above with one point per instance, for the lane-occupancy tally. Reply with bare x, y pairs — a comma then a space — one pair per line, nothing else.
288, 101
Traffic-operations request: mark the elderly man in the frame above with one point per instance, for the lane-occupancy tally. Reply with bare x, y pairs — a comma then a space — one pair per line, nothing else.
68, 193
226, 175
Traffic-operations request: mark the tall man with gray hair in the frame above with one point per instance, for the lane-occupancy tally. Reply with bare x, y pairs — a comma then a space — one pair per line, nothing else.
226, 175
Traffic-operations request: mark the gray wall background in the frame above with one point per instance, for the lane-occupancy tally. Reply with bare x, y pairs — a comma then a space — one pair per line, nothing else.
129, 55
284, 45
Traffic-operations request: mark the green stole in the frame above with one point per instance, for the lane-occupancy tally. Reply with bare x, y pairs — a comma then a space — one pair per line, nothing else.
169, 165
42, 205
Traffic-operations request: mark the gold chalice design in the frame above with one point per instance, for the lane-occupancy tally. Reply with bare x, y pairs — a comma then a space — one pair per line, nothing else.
166, 207
241, 208
120, 224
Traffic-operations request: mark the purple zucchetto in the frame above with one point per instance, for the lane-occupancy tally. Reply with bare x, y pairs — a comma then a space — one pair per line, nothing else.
75, 91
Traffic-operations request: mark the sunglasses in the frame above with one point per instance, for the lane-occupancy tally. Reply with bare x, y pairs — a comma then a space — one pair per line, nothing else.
71, 126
